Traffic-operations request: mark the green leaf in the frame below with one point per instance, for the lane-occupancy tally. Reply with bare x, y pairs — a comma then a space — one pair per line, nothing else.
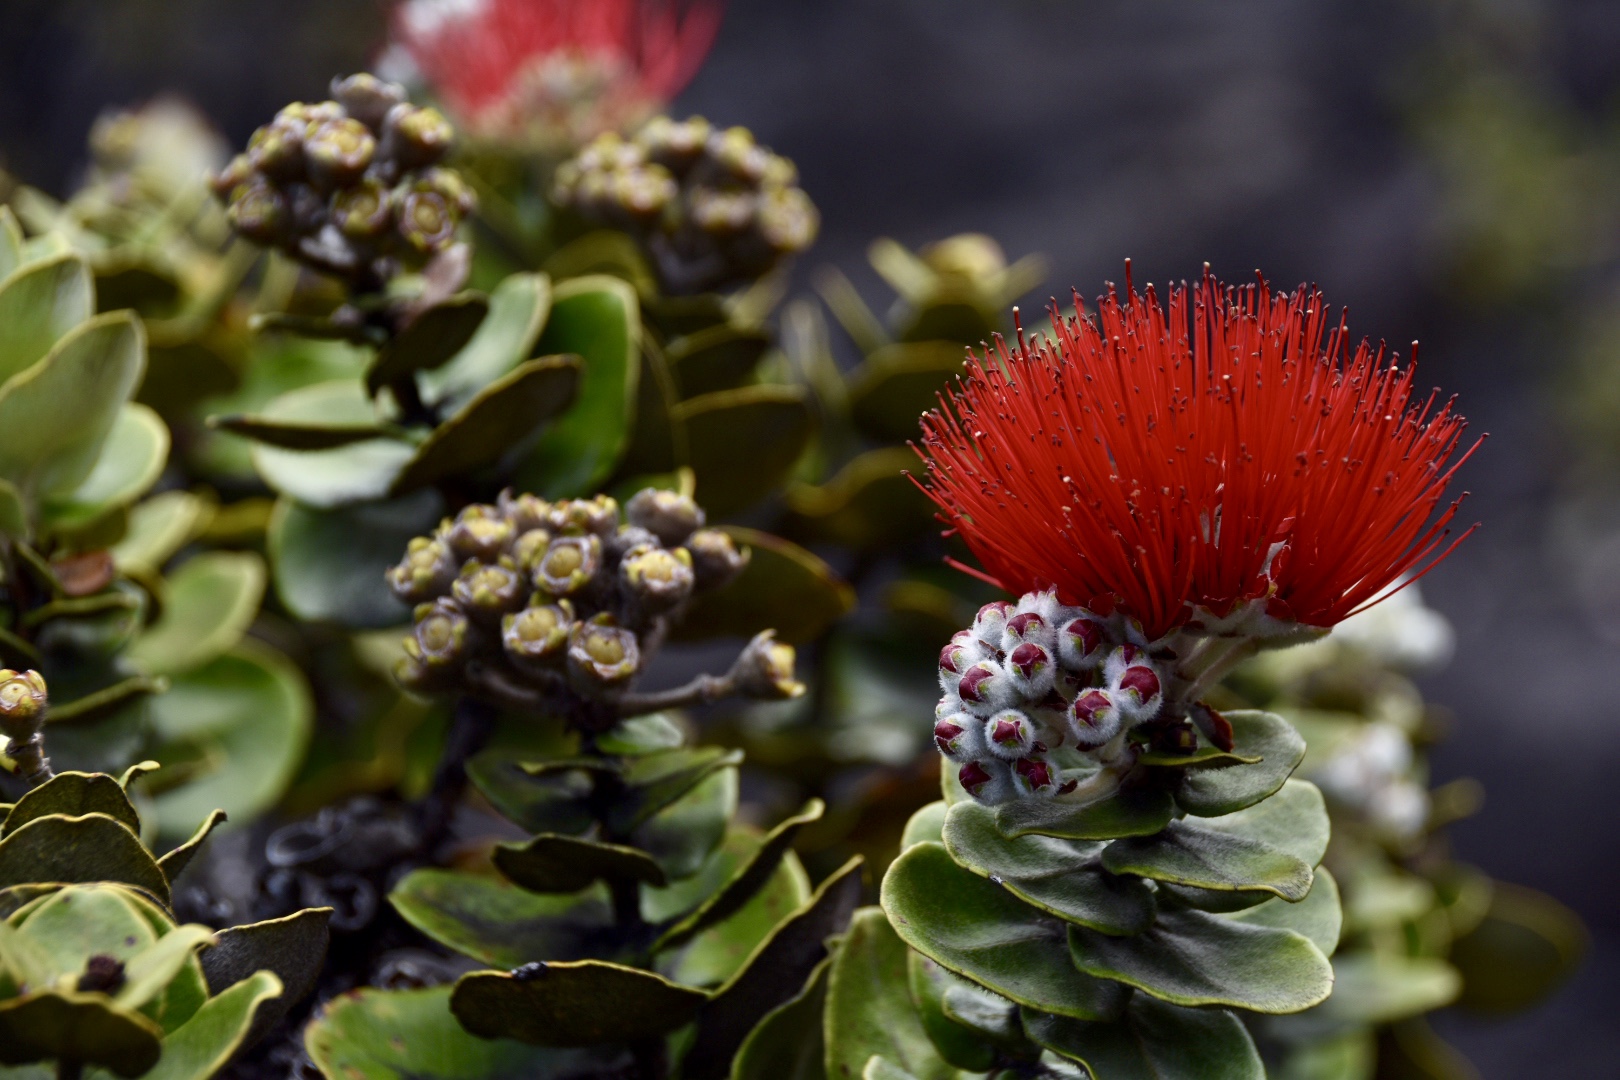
1133, 812
158, 528
717, 358
175, 861
743, 443
1213, 792
583, 1003
39, 304
1318, 916
783, 587
1526, 946
329, 564
654, 781
85, 1028
927, 824
961, 1045
504, 339
716, 954
1187, 854
203, 1045
323, 416
412, 1035
150, 970
869, 1009
776, 971
292, 947
55, 417
493, 421
431, 339
550, 863
72, 794
980, 931
241, 723
354, 472
641, 735
1153, 1041
555, 802
1195, 958
752, 876
656, 444
498, 923
85, 848
1377, 988
1065, 878
683, 895
870, 503
898, 383
788, 1044
211, 600
11, 243
598, 319
130, 462
71, 923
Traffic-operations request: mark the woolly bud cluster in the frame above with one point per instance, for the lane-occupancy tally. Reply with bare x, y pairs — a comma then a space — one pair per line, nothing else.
1372, 775
712, 207
351, 186
1029, 677
564, 598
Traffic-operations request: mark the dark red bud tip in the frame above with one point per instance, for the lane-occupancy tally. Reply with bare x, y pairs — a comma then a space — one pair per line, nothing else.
945, 733
1142, 680
1025, 624
1006, 732
973, 679
1067, 787
1129, 653
1086, 635
996, 607
973, 777
1088, 705
1038, 774
1028, 658
947, 658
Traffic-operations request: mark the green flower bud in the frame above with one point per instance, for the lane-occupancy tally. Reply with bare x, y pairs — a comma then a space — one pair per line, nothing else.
674, 144
425, 219
735, 151
260, 212
480, 532
363, 211
367, 98
238, 171
525, 511
643, 193
601, 657
656, 579
569, 565
715, 559
337, 152
537, 634
765, 669
529, 548
439, 640
449, 184
598, 516
415, 136
721, 212
23, 699
668, 515
788, 220
973, 257
489, 590
425, 572
277, 149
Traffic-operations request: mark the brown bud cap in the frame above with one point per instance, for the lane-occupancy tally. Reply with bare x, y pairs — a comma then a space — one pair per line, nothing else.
440, 635
529, 548
765, 669
489, 590
788, 220
425, 219
425, 572
601, 657
23, 699
598, 516
363, 210
480, 532
524, 511
537, 634
674, 144
367, 98
337, 152
657, 579
415, 136
721, 212
259, 212
448, 183
569, 565
277, 149
236, 172
735, 150
715, 559
668, 515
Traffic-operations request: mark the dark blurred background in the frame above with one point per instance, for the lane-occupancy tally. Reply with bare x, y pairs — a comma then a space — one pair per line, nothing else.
1449, 169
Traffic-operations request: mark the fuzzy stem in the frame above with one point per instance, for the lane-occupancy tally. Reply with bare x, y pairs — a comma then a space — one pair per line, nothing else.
1241, 650
29, 754
702, 690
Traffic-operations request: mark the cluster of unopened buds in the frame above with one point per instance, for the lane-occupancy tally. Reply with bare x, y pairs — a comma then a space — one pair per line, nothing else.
351, 186
711, 206
528, 602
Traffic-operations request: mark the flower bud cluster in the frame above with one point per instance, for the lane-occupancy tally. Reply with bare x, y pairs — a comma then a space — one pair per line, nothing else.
566, 598
1029, 677
711, 206
1373, 777
351, 186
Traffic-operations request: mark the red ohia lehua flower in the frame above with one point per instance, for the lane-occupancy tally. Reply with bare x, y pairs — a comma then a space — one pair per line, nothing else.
1180, 463
555, 72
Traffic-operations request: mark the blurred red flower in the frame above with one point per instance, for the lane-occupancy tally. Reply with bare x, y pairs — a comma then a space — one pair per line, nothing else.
555, 70
1182, 463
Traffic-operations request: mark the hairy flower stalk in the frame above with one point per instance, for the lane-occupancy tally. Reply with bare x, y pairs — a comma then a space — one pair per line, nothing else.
1172, 488
554, 73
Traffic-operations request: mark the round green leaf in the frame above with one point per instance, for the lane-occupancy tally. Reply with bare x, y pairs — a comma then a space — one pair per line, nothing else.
1195, 958
329, 564
292, 947
210, 601
1152, 1041
39, 303
1213, 792
957, 1043
89, 847
898, 383
743, 443
1318, 916
351, 469
555, 802
598, 319
550, 863
431, 340
970, 925
582, 1003
57, 1025
1185, 853
1377, 988
202, 1046
783, 587
869, 1008
495, 921
926, 824
1065, 878
504, 339
1133, 812
323, 416
716, 358
720, 951
788, 1043
73, 794
870, 503
1525, 947
130, 462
